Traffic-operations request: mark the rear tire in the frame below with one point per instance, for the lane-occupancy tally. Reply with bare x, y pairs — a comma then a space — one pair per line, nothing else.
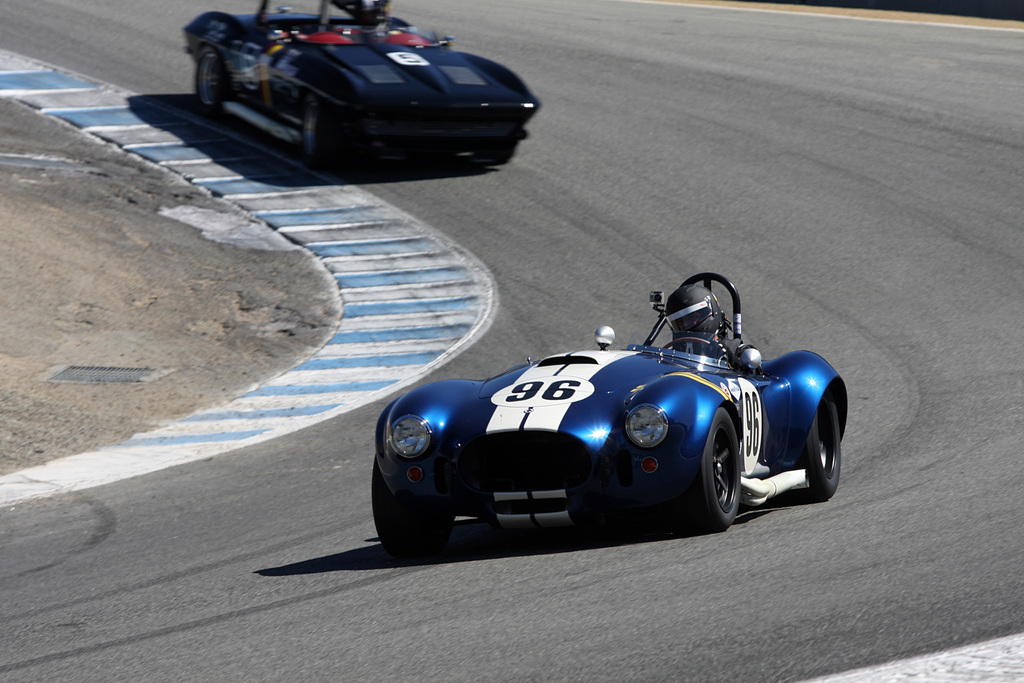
822, 452
404, 532
212, 82
711, 502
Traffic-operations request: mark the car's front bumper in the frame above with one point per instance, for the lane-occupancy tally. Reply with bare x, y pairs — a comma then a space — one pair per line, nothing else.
544, 481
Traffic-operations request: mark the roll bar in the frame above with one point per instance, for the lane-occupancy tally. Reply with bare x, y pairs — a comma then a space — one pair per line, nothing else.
705, 279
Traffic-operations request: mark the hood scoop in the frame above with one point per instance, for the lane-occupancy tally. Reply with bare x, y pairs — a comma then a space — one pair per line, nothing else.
567, 360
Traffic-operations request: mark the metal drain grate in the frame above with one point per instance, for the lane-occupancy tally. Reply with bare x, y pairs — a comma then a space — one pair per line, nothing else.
93, 374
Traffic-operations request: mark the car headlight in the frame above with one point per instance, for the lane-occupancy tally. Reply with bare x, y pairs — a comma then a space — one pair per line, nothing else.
409, 436
646, 425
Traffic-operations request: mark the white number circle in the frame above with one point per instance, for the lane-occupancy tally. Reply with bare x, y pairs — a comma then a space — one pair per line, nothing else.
536, 392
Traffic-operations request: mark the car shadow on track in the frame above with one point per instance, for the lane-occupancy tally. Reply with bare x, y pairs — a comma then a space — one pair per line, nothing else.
469, 545
232, 143
472, 541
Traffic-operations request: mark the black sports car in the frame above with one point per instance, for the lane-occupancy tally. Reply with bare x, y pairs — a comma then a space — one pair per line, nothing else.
362, 81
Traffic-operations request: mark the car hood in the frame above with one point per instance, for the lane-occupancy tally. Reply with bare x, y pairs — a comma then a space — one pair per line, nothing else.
584, 393
587, 392
611, 369
431, 70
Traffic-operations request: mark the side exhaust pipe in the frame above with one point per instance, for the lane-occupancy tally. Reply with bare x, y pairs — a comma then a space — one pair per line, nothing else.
755, 492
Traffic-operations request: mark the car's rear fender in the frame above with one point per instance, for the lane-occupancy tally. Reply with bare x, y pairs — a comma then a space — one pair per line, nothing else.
212, 28
810, 376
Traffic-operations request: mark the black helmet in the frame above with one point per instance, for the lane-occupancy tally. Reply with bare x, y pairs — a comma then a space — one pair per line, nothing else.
367, 12
694, 308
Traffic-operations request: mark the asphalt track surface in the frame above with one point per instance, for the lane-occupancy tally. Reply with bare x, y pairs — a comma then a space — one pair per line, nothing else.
859, 180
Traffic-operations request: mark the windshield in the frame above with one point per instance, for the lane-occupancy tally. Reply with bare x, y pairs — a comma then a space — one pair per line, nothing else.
691, 349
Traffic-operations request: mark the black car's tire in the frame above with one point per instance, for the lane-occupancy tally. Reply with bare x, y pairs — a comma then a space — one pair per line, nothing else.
403, 532
212, 82
822, 452
320, 146
711, 502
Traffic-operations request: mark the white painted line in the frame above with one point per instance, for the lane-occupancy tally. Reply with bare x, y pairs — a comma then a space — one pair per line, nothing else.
993, 661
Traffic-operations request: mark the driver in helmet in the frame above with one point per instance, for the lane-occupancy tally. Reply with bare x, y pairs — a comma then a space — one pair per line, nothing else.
376, 13
697, 321
700, 326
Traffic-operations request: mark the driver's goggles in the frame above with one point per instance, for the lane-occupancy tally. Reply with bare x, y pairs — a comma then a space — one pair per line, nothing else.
689, 317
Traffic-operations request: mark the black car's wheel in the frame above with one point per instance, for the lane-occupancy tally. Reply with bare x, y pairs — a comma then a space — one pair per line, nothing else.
212, 82
711, 502
403, 532
822, 451
319, 137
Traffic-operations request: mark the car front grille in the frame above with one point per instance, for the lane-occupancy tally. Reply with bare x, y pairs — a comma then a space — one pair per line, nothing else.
439, 129
524, 461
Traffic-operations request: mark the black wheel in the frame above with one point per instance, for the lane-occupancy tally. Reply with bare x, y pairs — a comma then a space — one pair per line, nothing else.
319, 140
822, 452
711, 502
213, 85
403, 532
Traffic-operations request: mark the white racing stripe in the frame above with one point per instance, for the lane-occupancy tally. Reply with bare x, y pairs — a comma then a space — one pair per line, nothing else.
541, 396
531, 520
411, 298
538, 400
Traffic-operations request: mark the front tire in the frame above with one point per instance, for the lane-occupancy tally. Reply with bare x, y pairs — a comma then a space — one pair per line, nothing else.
404, 532
711, 502
319, 139
212, 82
822, 451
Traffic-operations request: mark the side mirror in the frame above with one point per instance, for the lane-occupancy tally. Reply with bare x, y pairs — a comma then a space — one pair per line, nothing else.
604, 336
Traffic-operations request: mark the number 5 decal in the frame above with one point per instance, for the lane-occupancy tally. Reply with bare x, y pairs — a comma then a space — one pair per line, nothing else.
753, 424
543, 391
408, 59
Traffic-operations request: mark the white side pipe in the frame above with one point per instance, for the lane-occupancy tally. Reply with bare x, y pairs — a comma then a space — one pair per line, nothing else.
757, 491
264, 123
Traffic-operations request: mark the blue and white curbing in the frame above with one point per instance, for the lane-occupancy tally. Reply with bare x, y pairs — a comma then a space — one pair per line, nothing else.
411, 298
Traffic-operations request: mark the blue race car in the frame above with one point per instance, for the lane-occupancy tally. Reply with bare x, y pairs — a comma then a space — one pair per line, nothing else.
357, 81
691, 428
